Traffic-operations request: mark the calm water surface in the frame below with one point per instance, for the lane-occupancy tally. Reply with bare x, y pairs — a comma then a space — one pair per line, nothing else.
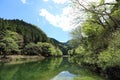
48, 69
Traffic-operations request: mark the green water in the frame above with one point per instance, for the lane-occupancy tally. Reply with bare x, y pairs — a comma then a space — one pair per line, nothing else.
48, 69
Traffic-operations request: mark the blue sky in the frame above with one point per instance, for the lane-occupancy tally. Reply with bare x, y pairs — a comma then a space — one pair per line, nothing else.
52, 16
49, 15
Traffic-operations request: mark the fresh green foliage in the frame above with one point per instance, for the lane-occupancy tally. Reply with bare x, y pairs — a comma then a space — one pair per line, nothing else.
8, 43
44, 49
99, 38
17, 36
32, 49
30, 32
111, 56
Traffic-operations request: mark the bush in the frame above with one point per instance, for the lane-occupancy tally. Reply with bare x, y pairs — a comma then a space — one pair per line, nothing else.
45, 49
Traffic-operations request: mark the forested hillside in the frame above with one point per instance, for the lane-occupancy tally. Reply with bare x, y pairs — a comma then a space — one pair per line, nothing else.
64, 47
19, 37
29, 32
97, 40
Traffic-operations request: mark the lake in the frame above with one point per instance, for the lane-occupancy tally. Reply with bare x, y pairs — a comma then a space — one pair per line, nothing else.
47, 69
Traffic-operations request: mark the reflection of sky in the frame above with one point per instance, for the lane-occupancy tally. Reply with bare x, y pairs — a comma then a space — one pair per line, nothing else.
64, 75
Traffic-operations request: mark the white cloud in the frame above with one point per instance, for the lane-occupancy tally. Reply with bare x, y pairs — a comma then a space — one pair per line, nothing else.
69, 19
23, 1
45, 0
61, 21
60, 1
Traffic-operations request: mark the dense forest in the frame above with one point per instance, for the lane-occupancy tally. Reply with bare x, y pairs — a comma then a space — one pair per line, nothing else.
97, 41
19, 37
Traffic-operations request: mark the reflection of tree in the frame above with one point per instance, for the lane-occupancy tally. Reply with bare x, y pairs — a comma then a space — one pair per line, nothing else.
55, 63
41, 70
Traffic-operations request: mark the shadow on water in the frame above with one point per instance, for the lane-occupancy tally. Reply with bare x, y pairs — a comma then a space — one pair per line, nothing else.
48, 69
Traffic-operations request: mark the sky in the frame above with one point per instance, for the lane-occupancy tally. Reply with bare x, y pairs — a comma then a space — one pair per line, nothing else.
48, 15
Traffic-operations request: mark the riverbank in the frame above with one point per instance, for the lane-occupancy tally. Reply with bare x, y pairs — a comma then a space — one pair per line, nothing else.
17, 59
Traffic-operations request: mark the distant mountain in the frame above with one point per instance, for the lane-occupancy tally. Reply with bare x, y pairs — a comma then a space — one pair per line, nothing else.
68, 43
64, 47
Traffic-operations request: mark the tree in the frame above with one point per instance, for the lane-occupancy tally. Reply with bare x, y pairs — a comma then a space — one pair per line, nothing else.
44, 49
100, 10
8, 46
16, 37
2, 47
99, 45
32, 49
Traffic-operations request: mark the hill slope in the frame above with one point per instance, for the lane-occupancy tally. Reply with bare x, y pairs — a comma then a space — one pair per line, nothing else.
19, 37
64, 47
30, 33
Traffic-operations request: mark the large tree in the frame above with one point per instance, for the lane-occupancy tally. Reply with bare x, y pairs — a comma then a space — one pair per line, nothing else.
98, 35
9, 43
8, 46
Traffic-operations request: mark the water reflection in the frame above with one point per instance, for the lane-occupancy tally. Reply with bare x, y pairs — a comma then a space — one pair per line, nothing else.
64, 75
48, 69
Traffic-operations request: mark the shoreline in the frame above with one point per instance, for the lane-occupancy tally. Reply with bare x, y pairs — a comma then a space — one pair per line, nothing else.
18, 59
